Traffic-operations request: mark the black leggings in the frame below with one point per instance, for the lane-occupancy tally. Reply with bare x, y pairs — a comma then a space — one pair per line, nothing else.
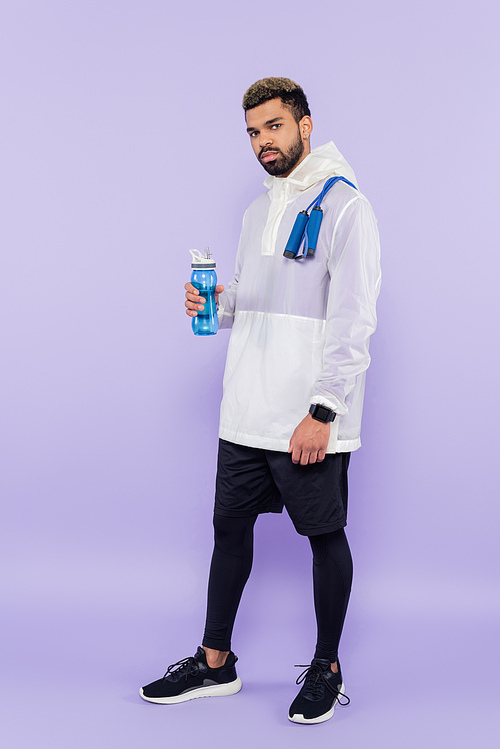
231, 564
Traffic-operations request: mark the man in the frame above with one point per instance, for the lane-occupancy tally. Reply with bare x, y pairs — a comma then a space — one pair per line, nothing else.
293, 392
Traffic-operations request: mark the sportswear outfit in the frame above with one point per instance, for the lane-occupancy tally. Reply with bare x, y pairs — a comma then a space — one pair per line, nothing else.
300, 333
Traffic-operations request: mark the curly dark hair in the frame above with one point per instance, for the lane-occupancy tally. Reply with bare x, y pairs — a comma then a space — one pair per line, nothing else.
290, 93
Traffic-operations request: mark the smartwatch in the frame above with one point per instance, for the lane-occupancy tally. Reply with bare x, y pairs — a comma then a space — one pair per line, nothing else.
322, 413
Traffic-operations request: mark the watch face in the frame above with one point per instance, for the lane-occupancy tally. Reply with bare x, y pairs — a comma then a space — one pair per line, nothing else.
322, 413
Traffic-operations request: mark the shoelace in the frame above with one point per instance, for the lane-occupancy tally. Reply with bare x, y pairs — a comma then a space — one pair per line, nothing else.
315, 679
189, 664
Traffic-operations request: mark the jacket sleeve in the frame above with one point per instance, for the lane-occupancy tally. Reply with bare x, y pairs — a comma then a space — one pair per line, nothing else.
227, 300
354, 269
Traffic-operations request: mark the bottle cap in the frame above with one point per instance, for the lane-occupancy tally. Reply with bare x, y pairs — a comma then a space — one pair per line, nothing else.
205, 261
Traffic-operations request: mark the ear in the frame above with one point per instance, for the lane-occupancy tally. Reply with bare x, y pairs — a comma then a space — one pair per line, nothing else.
305, 127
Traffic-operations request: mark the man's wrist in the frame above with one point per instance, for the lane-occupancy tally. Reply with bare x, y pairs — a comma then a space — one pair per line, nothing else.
322, 413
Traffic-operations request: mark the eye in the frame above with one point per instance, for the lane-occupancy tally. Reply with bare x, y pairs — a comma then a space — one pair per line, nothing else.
253, 134
276, 125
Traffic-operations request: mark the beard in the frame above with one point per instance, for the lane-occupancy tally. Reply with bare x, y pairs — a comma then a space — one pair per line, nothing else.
284, 162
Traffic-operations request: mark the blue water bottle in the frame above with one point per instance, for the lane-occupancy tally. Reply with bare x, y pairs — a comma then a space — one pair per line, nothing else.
204, 278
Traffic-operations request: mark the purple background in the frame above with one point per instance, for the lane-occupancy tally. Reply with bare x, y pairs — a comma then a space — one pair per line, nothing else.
123, 145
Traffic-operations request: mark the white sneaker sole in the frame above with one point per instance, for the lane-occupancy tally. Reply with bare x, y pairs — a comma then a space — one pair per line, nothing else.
320, 719
216, 690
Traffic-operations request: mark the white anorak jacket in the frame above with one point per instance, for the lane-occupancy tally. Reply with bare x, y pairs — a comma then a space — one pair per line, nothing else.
300, 328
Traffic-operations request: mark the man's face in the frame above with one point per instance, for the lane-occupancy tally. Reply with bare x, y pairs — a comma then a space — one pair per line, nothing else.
278, 141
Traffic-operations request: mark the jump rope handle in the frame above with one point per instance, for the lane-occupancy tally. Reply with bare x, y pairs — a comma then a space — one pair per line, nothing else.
306, 227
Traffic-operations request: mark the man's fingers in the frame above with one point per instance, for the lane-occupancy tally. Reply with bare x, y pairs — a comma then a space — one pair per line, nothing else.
195, 303
193, 299
305, 458
192, 310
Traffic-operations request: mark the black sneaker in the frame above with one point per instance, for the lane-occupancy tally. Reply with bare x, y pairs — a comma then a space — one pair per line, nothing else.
191, 678
322, 688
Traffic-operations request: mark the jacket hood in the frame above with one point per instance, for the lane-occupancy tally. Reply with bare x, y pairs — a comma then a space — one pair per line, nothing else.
323, 161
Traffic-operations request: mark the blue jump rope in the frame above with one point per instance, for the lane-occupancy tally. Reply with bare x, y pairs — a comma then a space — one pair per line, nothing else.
306, 227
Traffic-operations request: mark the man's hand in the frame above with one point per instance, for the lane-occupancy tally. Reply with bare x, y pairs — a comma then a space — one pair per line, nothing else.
194, 302
309, 441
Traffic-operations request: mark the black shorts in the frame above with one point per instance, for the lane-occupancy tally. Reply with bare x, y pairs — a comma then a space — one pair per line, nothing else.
251, 481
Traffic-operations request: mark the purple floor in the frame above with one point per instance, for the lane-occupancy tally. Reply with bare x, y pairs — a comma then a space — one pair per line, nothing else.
418, 673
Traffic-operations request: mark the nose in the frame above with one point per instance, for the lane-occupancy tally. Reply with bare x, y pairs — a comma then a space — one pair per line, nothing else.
265, 139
